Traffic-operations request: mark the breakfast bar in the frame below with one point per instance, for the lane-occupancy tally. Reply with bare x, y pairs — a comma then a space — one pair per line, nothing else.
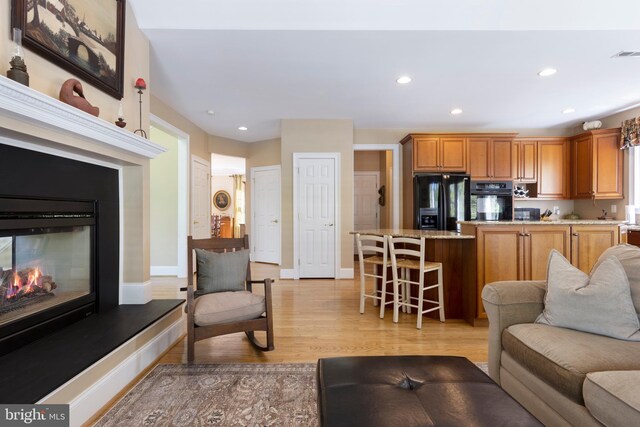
456, 252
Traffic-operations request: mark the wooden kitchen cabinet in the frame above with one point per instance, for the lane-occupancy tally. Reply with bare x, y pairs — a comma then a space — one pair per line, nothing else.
538, 241
453, 154
589, 241
553, 168
525, 161
425, 155
491, 158
439, 154
597, 165
499, 254
521, 252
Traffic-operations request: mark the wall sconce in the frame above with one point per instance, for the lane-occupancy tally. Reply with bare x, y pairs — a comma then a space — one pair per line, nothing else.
140, 85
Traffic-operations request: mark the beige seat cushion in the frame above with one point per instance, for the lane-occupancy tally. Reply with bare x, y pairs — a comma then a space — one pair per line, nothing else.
613, 397
563, 357
226, 307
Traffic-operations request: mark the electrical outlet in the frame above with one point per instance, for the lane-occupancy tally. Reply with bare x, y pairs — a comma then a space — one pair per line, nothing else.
556, 210
614, 208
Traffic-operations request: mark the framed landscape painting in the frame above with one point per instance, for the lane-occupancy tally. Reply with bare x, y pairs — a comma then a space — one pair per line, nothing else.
85, 37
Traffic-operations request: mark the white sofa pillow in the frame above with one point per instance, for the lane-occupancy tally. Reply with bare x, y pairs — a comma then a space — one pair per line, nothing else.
600, 304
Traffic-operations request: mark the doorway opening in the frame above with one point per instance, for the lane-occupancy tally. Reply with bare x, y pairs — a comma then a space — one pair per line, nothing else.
376, 203
228, 183
169, 200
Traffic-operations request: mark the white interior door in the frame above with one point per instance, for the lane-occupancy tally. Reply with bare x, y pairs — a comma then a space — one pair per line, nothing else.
316, 217
200, 198
265, 213
366, 210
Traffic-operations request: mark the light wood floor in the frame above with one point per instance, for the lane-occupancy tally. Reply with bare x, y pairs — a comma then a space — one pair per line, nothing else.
320, 318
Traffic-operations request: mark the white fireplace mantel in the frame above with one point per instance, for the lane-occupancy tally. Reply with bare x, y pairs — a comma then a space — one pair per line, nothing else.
28, 105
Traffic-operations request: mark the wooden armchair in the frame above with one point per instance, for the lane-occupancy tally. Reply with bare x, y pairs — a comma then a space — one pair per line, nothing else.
219, 312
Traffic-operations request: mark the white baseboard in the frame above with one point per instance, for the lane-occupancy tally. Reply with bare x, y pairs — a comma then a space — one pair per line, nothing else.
346, 273
91, 400
136, 293
287, 273
164, 270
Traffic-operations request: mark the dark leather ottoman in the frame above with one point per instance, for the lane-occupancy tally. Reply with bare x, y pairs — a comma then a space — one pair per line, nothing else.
406, 391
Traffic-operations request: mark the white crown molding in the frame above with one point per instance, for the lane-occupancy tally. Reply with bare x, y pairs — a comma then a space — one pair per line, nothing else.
43, 111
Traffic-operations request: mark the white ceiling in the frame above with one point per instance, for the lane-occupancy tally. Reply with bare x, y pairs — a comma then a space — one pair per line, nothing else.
255, 62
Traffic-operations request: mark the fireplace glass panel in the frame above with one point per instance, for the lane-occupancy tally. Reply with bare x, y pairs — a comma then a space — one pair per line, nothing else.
43, 267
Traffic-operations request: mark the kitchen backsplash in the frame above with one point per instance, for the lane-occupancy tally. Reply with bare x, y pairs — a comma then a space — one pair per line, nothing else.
565, 206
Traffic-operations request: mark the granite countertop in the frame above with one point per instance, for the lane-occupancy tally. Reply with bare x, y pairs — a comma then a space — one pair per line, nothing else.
634, 227
552, 222
429, 234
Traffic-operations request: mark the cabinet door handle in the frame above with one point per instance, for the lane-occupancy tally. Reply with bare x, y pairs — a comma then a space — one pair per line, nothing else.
527, 234
575, 234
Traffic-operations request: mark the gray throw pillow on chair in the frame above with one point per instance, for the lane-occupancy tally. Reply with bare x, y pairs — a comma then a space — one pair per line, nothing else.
221, 272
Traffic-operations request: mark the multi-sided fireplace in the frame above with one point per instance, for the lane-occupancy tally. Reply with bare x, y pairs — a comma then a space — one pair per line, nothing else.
47, 259
59, 244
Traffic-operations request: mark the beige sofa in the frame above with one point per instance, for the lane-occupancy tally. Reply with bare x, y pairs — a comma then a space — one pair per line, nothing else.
562, 376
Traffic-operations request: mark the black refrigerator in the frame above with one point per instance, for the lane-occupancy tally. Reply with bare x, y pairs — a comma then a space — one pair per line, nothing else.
441, 200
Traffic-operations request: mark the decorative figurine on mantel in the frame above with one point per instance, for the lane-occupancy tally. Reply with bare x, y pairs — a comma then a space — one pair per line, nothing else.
140, 85
18, 71
120, 122
67, 95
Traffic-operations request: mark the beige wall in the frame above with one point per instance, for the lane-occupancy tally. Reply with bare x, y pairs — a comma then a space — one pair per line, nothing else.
228, 147
164, 201
47, 78
366, 161
198, 139
589, 209
223, 183
262, 153
313, 136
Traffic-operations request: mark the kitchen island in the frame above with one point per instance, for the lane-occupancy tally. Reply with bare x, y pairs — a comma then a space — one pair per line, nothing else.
456, 252
519, 250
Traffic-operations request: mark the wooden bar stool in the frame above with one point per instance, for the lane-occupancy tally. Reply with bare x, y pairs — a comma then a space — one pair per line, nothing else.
379, 259
414, 248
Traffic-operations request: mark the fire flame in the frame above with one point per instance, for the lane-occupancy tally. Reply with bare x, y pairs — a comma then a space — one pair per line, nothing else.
18, 286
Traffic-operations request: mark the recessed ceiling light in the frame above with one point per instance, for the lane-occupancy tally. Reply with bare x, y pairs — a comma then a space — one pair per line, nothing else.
547, 72
568, 110
242, 128
403, 80
210, 112
456, 111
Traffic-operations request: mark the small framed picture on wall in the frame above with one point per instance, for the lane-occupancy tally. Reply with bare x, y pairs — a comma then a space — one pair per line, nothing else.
221, 200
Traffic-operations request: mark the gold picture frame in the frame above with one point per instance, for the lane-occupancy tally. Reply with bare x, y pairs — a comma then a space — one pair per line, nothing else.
222, 200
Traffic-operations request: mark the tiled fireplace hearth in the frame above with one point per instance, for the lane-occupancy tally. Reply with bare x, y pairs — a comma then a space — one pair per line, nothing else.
74, 242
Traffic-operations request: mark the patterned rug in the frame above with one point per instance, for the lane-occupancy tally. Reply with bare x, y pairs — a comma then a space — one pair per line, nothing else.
220, 395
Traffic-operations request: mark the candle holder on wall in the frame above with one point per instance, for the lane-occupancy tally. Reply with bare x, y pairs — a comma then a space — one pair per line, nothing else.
140, 85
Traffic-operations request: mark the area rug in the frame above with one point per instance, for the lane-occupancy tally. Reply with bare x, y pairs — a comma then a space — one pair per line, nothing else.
220, 395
